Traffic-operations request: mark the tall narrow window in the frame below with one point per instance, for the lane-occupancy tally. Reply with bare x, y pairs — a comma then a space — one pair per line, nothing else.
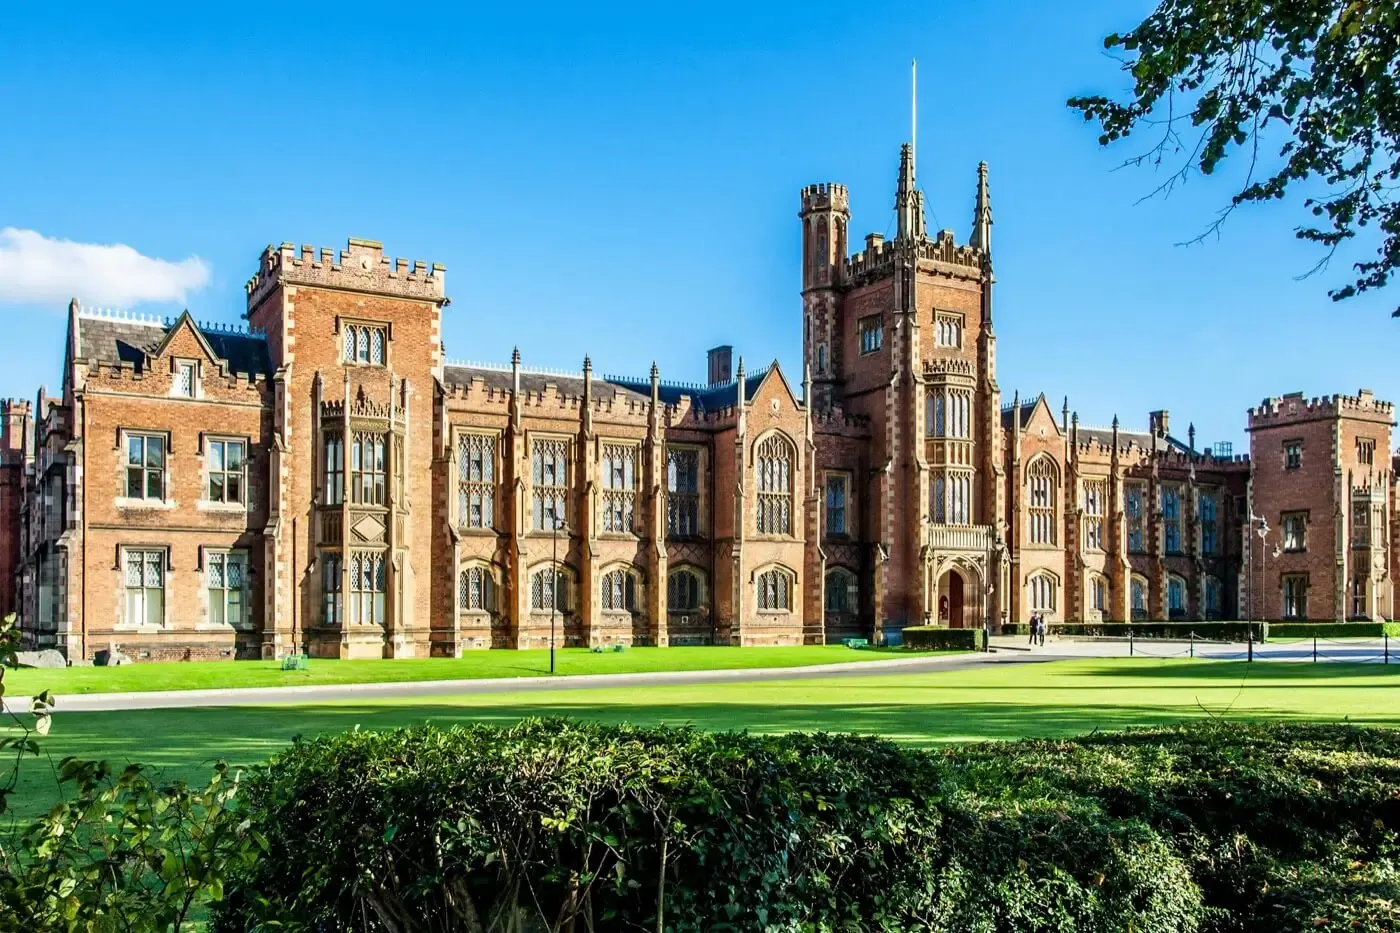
1213, 596
1292, 455
331, 610
1094, 493
774, 466
367, 469
619, 591
335, 469
949, 331
1295, 596
1098, 593
1138, 594
959, 499
476, 481
1171, 519
619, 487
836, 486
841, 592
367, 587
550, 463
1042, 478
145, 466
145, 587
682, 492
226, 573
821, 358
549, 589
1135, 494
184, 380
683, 590
872, 333
774, 591
1365, 451
226, 471
959, 411
363, 344
1176, 598
1361, 523
940, 500
478, 589
938, 414
1208, 523
1295, 531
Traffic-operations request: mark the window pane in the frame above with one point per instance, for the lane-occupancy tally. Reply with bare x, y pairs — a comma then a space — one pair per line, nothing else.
134, 478
135, 450
155, 451
153, 484
155, 607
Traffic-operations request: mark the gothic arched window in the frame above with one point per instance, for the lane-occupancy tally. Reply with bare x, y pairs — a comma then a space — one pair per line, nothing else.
478, 589
619, 591
1138, 594
774, 468
1042, 479
685, 590
1042, 592
774, 591
842, 592
549, 589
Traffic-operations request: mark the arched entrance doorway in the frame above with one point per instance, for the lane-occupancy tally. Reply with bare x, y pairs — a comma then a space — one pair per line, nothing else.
950, 600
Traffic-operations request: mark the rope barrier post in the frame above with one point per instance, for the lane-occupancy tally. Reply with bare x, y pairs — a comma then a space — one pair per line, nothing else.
1314, 649
1386, 635
1192, 636
1130, 641
1250, 640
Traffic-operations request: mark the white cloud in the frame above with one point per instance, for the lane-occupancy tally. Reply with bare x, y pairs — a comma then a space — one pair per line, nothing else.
36, 269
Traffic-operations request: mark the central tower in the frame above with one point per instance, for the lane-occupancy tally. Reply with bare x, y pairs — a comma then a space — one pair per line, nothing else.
899, 336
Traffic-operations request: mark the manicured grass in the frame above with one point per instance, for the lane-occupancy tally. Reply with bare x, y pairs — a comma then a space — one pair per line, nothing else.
206, 675
993, 701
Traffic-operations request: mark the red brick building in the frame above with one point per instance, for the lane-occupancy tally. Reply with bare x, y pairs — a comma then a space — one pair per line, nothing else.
326, 480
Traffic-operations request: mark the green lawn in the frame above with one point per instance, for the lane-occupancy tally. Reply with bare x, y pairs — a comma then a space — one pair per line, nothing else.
987, 702
203, 675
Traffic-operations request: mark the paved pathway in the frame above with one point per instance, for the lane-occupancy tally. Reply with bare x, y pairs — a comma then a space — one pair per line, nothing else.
1356, 650
257, 696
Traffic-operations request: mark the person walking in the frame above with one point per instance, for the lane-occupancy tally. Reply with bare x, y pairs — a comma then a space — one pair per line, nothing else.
1034, 626
1044, 624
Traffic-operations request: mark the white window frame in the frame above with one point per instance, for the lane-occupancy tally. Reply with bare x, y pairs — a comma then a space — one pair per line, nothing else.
240, 474
163, 470
153, 561
217, 568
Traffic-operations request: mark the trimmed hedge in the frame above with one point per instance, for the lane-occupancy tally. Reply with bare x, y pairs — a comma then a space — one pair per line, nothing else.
942, 638
1223, 827
1218, 631
1334, 629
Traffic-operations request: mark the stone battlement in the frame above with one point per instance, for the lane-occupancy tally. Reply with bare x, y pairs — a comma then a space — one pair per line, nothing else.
361, 266
1293, 407
826, 196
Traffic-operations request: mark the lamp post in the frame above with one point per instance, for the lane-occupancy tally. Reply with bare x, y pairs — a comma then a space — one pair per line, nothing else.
558, 525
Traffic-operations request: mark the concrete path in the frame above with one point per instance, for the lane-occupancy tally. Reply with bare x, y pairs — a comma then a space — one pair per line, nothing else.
1371, 651
259, 696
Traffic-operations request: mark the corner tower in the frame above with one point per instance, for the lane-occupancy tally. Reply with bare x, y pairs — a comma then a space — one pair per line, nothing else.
825, 216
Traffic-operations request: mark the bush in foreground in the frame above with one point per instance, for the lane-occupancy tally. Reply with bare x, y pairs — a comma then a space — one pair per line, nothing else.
563, 826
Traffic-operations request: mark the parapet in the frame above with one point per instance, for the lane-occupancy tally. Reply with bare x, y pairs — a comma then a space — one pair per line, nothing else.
361, 266
826, 196
1293, 408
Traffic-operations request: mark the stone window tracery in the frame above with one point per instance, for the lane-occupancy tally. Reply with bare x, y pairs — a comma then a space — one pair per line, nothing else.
367, 588
1176, 597
478, 589
476, 481
948, 329
774, 591
330, 589
774, 468
549, 589
1171, 519
334, 460
842, 592
1134, 495
619, 468
872, 333
619, 591
1095, 492
226, 574
1042, 592
1042, 478
1138, 597
551, 478
363, 344
685, 589
1213, 593
1208, 522
367, 469
836, 488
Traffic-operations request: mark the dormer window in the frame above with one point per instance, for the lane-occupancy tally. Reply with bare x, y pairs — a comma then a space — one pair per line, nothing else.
364, 344
185, 379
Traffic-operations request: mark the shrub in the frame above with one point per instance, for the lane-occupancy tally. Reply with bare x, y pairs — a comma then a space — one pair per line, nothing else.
942, 638
1333, 629
556, 825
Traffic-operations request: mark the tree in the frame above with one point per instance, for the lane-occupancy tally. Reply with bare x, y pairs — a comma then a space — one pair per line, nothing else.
1221, 76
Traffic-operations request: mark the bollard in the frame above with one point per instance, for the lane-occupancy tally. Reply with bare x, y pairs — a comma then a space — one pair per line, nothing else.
1387, 645
1130, 641
1250, 655
1193, 643
1314, 649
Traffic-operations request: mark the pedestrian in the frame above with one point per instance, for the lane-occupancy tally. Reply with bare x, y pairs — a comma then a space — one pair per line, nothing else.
1044, 624
1035, 625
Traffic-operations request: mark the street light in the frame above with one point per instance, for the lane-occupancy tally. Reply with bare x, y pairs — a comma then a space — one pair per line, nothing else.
558, 525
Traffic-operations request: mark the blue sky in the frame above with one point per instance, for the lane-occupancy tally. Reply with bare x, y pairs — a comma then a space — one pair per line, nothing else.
622, 180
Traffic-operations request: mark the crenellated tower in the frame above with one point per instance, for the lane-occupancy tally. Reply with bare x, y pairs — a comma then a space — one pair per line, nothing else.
825, 217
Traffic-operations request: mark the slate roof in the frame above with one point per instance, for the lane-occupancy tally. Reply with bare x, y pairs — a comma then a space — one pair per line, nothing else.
605, 387
117, 340
1142, 439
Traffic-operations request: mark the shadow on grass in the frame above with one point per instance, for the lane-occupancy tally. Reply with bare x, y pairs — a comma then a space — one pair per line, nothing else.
1263, 670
